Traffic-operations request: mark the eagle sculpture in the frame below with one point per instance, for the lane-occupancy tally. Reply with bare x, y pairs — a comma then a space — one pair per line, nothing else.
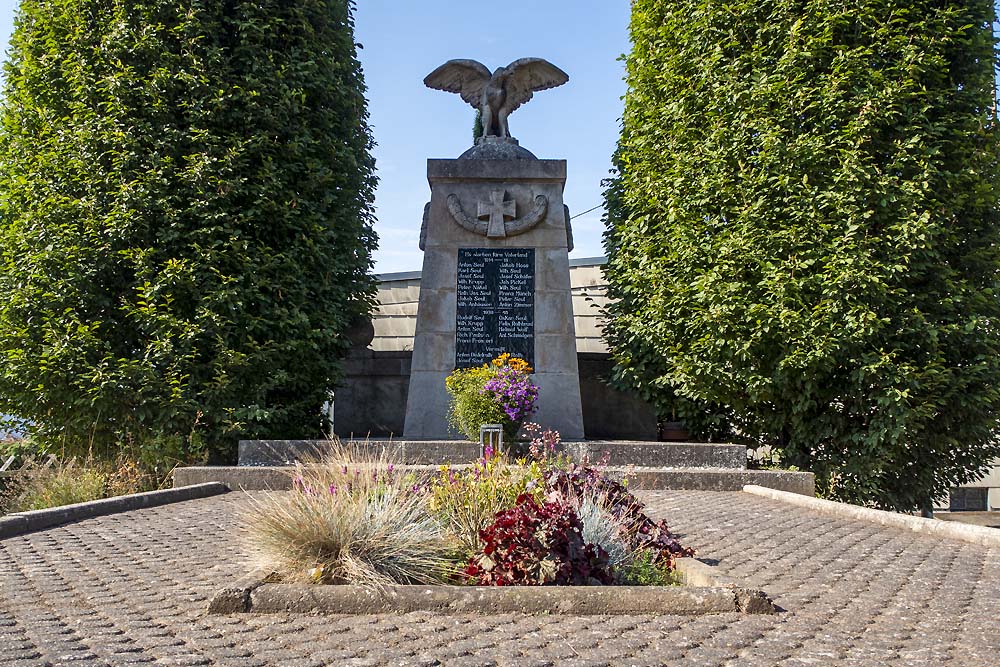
496, 95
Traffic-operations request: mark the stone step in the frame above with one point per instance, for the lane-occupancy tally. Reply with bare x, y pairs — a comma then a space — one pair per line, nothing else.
429, 452
279, 478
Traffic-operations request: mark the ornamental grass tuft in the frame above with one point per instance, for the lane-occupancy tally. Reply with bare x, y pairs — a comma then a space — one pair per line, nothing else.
67, 482
351, 517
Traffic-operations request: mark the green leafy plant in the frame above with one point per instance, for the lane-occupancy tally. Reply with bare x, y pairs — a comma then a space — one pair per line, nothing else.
804, 238
646, 569
185, 220
467, 500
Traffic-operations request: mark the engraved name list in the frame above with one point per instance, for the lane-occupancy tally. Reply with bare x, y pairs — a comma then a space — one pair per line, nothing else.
496, 305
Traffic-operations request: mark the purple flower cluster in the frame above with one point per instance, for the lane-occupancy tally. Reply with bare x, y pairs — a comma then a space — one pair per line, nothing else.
515, 392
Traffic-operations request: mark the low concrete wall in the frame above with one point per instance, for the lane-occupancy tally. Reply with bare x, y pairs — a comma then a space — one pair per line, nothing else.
278, 478
609, 414
987, 537
371, 402
372, 399
26, 522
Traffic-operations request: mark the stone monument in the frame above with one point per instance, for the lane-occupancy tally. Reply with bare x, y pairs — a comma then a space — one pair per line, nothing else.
496, 238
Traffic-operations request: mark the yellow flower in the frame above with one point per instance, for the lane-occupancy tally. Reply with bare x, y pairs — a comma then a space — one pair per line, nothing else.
516, 363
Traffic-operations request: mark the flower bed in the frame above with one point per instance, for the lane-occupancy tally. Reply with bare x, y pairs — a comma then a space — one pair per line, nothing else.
455, 537
354, 518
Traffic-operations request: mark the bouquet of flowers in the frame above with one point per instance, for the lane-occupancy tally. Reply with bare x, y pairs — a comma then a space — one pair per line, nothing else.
500, 392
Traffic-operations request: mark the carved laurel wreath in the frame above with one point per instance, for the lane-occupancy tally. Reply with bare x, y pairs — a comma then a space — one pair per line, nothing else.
510, 228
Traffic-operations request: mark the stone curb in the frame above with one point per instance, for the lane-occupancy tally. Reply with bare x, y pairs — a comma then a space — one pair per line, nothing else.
987, 537
437, 452
236, 598
703, 593
279, 478
26, 522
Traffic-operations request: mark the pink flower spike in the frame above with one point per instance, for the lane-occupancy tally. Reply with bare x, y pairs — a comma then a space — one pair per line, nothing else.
333, 489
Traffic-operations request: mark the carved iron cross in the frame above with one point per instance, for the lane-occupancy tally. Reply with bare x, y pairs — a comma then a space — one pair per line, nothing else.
498, 211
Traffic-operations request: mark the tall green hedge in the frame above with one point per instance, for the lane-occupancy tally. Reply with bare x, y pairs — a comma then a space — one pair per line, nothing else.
804, 232
185, 218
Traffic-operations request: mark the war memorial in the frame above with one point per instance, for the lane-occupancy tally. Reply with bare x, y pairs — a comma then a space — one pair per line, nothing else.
131, 582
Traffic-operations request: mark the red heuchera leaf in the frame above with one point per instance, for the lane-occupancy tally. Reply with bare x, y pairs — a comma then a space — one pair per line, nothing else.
534, 545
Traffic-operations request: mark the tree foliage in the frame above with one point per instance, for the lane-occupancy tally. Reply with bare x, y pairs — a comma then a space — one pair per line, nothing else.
185, 218
804, 232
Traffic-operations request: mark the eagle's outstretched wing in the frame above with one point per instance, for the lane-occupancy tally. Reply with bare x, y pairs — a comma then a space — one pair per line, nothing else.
465, 77
529, 75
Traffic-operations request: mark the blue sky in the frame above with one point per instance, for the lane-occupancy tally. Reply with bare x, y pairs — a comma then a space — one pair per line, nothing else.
404, 41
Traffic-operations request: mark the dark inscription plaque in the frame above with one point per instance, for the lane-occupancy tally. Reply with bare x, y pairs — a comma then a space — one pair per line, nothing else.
496, 305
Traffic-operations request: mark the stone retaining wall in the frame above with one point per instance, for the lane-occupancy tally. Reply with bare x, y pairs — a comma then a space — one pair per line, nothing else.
372, 399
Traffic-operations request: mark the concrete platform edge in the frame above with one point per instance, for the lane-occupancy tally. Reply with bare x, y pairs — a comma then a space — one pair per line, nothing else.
279, 478
27, 522
988, 537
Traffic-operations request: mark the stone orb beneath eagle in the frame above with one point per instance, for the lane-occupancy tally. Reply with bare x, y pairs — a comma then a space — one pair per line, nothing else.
499, 94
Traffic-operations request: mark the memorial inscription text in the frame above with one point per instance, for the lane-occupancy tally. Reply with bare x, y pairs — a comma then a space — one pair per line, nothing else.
496, 305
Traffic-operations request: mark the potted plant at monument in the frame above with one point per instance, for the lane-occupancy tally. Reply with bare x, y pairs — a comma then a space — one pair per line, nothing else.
500, 392
673, 430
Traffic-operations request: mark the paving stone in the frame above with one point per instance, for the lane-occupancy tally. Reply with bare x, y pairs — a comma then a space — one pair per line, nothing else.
132, 589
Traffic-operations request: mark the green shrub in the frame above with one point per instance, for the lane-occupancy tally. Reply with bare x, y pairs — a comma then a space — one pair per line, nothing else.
470, 408
185, 220
804, 236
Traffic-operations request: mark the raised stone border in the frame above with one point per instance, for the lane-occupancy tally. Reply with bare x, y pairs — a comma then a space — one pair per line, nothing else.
277, 478
433, 452
27, 522
987, 537
721, 479
703, 592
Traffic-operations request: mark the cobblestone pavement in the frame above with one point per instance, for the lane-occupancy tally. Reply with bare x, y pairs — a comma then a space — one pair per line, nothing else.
132, 589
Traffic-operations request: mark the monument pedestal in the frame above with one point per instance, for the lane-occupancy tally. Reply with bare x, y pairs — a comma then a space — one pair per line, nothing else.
496, 241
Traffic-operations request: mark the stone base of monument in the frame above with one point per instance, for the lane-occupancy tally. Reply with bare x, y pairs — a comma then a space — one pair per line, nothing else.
263, 464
